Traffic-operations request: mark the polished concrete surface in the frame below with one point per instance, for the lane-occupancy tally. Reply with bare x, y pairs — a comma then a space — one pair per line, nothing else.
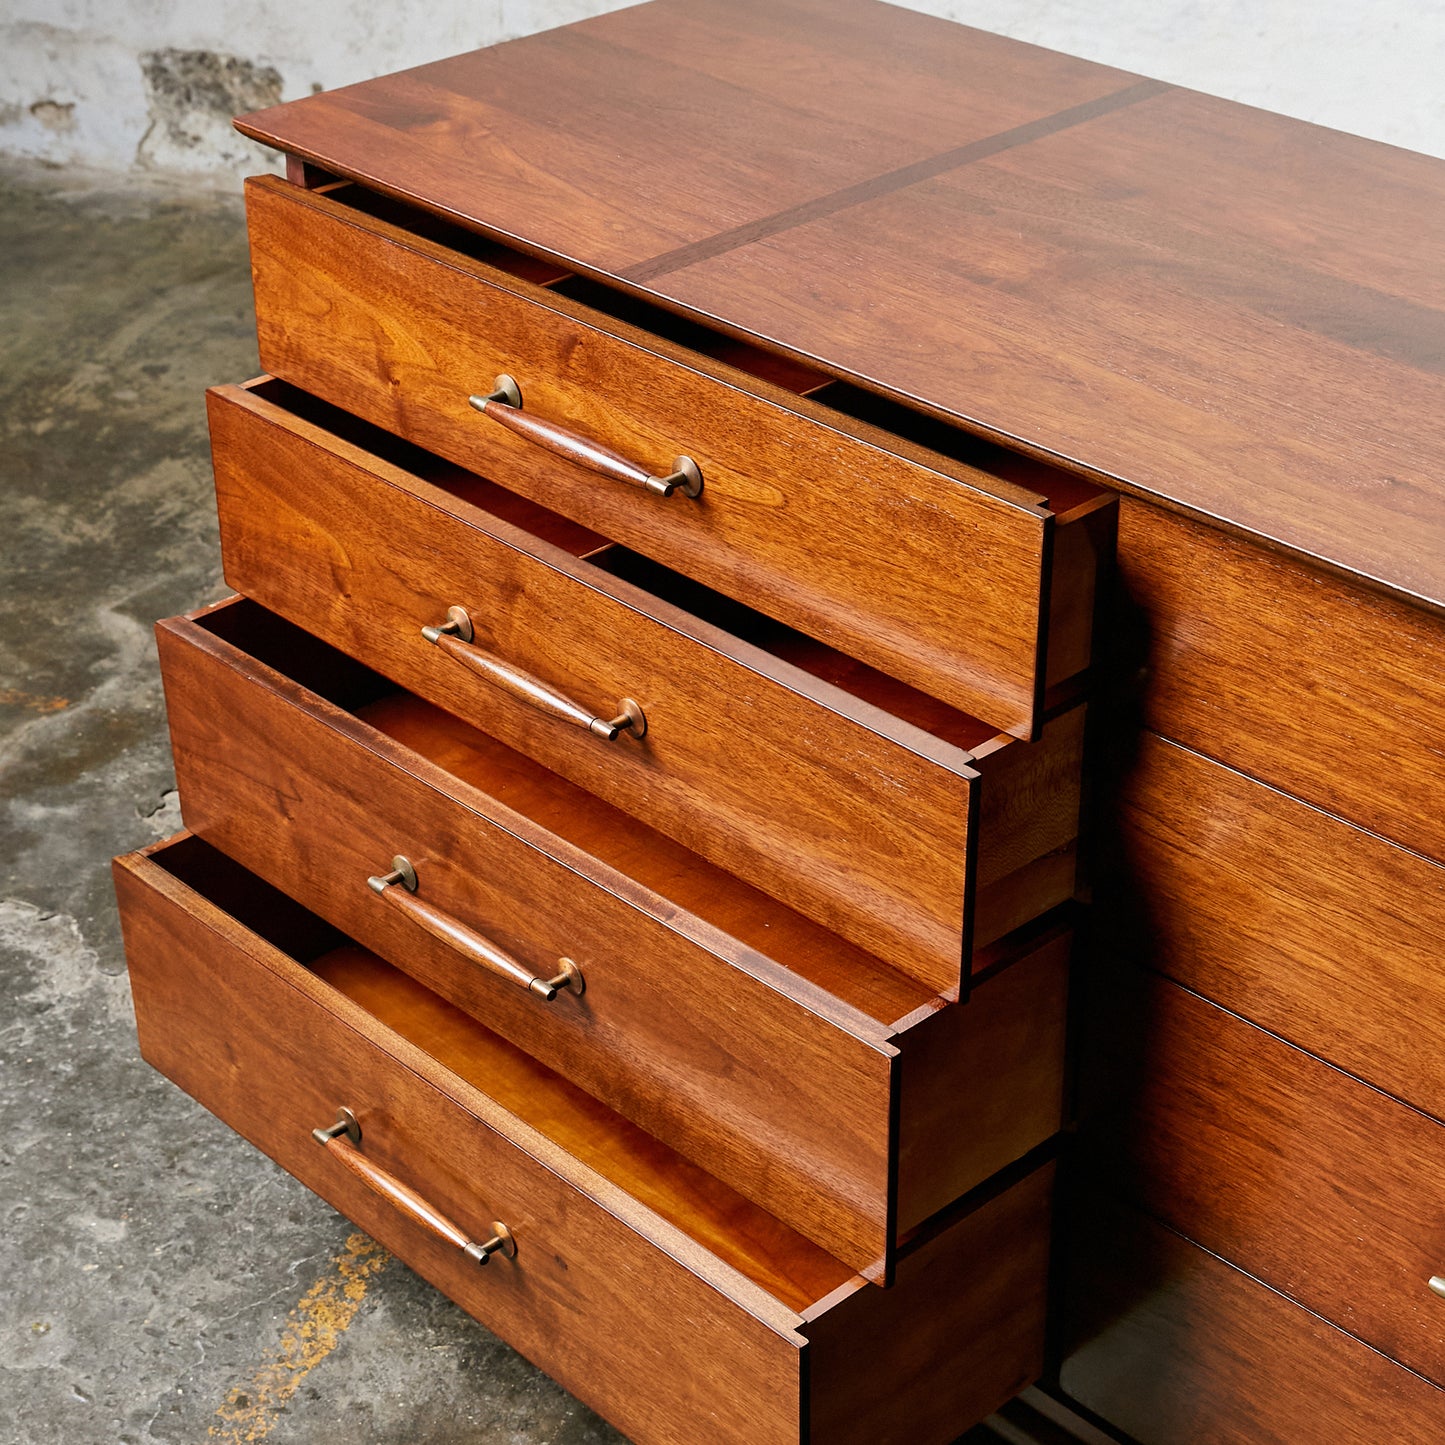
160, 1280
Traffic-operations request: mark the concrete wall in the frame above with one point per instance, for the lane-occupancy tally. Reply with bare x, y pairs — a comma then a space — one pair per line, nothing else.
152, 84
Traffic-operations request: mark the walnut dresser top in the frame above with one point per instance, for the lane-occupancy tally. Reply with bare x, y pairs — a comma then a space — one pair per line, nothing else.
1021, 242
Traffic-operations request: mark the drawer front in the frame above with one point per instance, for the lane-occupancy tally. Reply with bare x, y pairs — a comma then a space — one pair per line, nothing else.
1321, 1187
1309, 927
859, 821
1171, 1345
659, 1297
1316, 686
607, 1313
679, 1028
941, 583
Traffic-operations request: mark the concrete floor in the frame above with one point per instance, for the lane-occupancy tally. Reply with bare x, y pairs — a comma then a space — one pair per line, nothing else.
162, 1281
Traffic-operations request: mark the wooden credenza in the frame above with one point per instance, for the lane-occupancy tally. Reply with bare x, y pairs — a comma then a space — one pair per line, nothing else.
824, 597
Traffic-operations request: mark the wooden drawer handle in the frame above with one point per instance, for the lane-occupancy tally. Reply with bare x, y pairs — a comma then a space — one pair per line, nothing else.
342, 1140
399, 889
504, 406
1437, 1285
455, 638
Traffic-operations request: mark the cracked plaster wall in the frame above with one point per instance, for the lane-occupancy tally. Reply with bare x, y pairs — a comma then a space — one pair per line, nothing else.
152, 84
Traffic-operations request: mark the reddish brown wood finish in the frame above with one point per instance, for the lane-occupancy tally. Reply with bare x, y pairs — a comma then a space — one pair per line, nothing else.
1013, 1028
676, 1339
760, 765
1299, 679
1173, 1345
1326, 1190
941, 1293
401, 1196
1235, 312
1321, 933
783, 103
764, 1067
945, 586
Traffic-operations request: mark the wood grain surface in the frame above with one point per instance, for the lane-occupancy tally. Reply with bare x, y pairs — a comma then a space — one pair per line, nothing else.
1299, 679
1317, 931
1003, 1058
932, 571
782, 103
1321, 1187
1176, 1347
744, 1332
964, 1338
864, 804
273, 1051
747, 760
1033, 246
784, 1089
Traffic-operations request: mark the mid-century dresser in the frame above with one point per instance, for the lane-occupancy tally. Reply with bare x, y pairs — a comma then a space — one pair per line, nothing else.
824, 796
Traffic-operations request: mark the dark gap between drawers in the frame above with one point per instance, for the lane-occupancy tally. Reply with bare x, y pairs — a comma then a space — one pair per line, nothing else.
775, 1257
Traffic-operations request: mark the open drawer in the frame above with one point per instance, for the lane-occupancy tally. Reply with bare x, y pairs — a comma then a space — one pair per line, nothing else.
645, 1286
911, 829
963, 582
845, 1096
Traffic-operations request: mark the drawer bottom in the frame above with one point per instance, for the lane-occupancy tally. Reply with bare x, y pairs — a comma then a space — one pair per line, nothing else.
658, 1295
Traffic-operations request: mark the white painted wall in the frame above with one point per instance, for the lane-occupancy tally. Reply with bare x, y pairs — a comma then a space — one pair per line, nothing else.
76, 85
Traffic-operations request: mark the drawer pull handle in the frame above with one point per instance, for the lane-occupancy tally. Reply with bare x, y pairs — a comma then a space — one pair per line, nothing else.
1437, 1284
455, 638
504, 405
399, 889
342, 1140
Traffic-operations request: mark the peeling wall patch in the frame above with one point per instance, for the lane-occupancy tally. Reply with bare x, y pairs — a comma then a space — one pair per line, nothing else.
55, 115
193, 94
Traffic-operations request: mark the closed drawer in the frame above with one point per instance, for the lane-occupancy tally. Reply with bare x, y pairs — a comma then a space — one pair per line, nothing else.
1309, 927
889, 817
1309, 682
848, 1098
653, 1292
1308, 1179
963, 584
1173, 1346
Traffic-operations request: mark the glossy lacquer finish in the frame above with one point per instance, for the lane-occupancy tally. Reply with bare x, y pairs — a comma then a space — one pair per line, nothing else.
949, 586
648, 1288
1234, 312
768, 371
911, 829
846, 1097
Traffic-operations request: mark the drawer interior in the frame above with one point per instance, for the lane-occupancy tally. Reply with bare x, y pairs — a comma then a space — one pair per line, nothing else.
803, 947
729, 615
791, 1268
1063, 491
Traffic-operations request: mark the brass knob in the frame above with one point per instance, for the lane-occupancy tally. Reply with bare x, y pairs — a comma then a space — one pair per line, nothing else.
501, 1243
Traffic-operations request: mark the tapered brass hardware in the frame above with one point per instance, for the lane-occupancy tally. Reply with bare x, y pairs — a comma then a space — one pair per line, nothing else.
503, 404
456, 637
1437, 1283
345, 1124
502, 1242
399, 887
401, 872
343, 1140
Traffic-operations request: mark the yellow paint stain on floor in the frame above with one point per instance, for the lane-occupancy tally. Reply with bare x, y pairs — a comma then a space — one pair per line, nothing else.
13, 697
313, 1330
